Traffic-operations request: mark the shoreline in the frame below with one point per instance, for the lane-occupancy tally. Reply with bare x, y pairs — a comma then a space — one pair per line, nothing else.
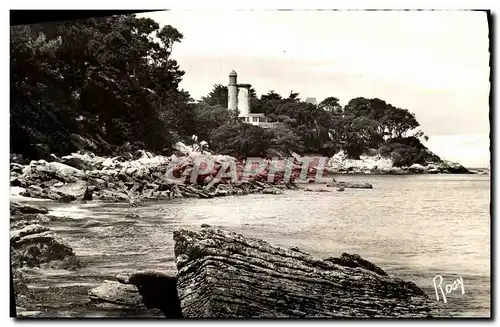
81, 311
191, 173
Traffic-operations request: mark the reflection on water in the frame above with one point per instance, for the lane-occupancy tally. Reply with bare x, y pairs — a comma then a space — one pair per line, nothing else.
414, 227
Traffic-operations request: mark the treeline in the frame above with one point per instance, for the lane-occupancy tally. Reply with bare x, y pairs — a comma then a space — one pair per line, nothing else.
324, 129
100, 83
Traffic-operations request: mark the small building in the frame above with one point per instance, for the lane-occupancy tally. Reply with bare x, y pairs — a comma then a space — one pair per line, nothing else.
258, 119
312, 101
239, 99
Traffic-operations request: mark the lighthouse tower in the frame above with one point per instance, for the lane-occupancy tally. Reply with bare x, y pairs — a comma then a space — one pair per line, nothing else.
232, 89
239, 99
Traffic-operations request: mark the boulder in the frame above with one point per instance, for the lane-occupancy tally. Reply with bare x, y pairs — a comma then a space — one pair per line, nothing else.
111, 196
417, 168
372, 162
117, 293
16, 208
158, 290
36, 191
479, 171
398, 171
20, 221
350, 185
74, 190
453, 168
319, 190
37, 248
75, 162
226, 275
65, 170
33, 244
433, 171
272, 190
42, 171
16, 235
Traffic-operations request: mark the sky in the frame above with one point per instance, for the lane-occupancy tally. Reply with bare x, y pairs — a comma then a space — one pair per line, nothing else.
433, 63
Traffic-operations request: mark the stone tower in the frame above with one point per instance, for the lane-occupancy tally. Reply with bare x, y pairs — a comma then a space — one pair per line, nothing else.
244, 100
232, 90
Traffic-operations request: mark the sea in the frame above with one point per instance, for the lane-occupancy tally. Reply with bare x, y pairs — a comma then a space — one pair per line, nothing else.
420, 228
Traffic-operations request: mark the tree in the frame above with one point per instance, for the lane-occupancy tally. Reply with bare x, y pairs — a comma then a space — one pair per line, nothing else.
168, 36
105, 79
37, 116
294, 97
209, 118
252, 94
241, 140
331, 104
217, 97
358, 107
270, 96
285, 140
399, 121
406, 151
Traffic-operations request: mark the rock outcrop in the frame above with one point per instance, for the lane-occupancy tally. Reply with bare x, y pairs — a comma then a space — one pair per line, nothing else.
377, 164
33, 244
344, 185
226, 275
318, 190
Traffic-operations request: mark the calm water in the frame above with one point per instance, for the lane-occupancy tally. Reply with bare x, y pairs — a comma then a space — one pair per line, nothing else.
413, 227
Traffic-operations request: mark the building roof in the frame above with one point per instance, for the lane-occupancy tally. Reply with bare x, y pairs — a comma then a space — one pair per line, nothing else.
244, 85
233, 73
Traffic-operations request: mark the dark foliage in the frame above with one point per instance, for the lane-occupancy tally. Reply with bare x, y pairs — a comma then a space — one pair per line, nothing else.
407, 151
109, 84
96, 83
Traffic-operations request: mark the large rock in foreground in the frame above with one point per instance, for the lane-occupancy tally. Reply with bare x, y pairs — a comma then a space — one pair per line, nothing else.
226, 275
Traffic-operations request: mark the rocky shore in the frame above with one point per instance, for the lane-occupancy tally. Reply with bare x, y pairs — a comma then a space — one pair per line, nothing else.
219, 274
223, 274
143, 176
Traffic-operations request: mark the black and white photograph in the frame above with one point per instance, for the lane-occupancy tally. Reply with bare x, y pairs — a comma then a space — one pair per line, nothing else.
250, 164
